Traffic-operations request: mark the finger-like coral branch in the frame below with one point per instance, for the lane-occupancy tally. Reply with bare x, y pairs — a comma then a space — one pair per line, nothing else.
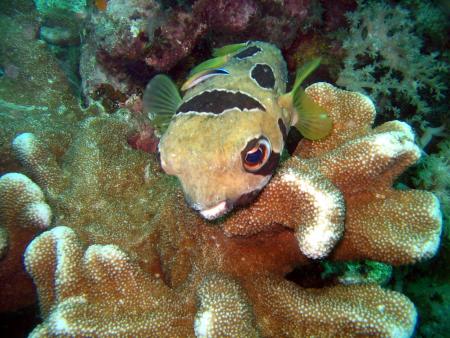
397, 227
23, 212
22, 203
53, 260
102, 293
364, 310
38, 160
224, 309
316, 211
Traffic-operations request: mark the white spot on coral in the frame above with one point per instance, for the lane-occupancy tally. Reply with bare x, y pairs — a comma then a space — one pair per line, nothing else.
203, 323
404, 331
60, 323
436, 212
316, 241
61, 232
391, 145
428, 249
319, 237
25, 144
40, 214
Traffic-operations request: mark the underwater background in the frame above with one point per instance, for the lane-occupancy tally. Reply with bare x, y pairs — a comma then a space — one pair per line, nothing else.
63, 62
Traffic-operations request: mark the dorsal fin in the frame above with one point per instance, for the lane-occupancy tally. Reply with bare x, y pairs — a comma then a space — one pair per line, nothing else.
161, 100
228, 49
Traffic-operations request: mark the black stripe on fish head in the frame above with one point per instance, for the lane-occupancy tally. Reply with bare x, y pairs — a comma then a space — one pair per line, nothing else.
248, 52
293, 139
283, 129
218, 101
263, 75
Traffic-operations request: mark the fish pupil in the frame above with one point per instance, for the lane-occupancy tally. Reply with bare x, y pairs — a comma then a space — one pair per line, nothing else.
255, 156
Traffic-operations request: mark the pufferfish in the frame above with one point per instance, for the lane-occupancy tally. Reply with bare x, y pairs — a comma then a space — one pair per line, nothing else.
223, 139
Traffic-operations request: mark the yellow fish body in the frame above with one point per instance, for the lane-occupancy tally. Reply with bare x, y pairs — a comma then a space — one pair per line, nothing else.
225, 136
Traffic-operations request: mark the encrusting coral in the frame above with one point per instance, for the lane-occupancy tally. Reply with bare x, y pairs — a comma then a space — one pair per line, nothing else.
134, 260
37, 96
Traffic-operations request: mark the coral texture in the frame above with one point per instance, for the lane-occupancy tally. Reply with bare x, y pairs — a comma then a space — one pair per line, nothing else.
384, 59
115, 45
23, 211
35, 97
152, 265
61, 20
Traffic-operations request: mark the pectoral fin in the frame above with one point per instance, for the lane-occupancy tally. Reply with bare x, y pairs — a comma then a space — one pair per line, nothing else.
312, 120
161, 100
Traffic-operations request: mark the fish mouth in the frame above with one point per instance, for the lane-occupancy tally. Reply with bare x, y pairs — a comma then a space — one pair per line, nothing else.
223, 207
216, 211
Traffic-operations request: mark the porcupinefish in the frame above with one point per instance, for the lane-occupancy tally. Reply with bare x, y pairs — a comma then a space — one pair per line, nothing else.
223, 139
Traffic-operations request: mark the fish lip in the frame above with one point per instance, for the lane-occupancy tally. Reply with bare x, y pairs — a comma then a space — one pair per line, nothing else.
216, 211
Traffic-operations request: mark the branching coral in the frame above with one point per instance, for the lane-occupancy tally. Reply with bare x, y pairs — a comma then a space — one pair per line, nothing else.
102, 293
152, 266
35, 156
384, 59
126, 300
23, 211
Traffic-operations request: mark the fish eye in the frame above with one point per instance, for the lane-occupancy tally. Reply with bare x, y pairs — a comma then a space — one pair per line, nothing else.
257, 155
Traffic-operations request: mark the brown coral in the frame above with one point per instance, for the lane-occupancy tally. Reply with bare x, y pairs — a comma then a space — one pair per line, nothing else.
23, 211
103, 293
126, 300
164, 270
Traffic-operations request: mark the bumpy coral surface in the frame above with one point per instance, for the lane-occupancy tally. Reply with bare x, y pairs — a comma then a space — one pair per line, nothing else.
129, 258
35, 95
23, 211
61, 20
